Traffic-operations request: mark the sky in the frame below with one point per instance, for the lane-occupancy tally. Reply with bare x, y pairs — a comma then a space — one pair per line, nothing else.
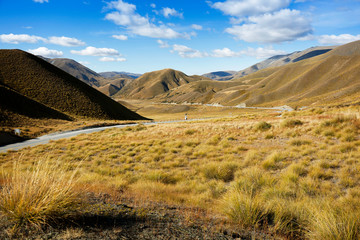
193, 36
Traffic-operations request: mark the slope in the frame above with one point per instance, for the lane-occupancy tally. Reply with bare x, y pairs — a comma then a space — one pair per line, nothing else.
281, 60
325, 79
155, 83
77, 70
39, 80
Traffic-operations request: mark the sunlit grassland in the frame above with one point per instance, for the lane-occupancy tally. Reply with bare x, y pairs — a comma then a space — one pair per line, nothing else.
296, 175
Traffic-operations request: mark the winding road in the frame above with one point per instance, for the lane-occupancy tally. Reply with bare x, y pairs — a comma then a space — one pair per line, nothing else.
56, 136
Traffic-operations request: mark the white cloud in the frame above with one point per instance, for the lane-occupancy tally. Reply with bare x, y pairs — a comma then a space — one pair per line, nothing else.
20, 38
153, 5
45, 52
41, 1
25, 38
186, 52
84, 62
120, 37
337, 39
163, 44
93, 51
225, 52
196, 27
167, 12
110, 59
240, 8
284, 25
66, 41
262, 53
125, 15
259, 53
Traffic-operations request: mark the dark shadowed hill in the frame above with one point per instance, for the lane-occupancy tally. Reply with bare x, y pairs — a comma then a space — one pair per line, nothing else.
220, 75
152, 84
13, 106
41, 81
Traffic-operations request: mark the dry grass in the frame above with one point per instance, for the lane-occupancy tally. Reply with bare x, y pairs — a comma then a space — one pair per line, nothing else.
39, 195
279, 184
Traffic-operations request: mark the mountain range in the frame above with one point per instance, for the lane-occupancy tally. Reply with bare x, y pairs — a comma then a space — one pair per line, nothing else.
64, 89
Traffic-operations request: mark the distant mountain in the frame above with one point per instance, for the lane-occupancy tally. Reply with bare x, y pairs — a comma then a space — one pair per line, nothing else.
114, 75
330, 78
34, 78
154, 83
281, 60
327, 78
220, 75
77, 70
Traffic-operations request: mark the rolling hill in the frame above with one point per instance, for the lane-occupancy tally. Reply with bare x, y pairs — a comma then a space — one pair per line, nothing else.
281, 60
40, 81
328, 78
155, 83
314, 76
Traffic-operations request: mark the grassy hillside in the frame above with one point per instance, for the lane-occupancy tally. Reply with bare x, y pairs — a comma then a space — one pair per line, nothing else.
196, 92
290, 177
114, 86
281, 60
152, 84
39, 80
326, 78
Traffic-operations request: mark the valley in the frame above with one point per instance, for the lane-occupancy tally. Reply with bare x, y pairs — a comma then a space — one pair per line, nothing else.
268, 152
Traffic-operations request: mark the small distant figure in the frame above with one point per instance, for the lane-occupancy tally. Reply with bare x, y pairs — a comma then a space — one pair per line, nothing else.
185, 116
17, 132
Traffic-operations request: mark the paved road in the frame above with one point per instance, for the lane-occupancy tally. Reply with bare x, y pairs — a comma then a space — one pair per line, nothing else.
56, 136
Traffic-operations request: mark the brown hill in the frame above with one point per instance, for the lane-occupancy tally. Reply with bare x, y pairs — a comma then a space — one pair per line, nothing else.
282, 60
114, 86
202, 91
328, 78
39, 80
155, 83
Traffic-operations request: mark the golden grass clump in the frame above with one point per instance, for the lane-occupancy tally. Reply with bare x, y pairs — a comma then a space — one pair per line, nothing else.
262, 126
330, 222
291, 123
40, 195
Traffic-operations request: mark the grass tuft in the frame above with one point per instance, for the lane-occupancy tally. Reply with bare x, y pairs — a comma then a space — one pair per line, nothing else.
38, 196
262, 126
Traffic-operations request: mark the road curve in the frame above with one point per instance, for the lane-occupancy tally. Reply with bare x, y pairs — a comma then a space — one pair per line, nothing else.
56, 136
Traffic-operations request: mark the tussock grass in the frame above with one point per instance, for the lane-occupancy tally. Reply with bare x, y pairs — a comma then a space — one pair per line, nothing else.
220, 171
330, 222
228, 167
291, 123
262, 126
38, 196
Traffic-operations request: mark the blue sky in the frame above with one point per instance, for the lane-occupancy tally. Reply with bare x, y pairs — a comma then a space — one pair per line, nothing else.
193, 36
